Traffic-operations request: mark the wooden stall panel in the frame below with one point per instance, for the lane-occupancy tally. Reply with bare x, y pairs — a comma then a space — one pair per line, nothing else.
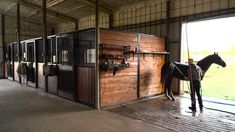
150, 65
16, 77
52, 84
41, 78
122, 87
5, 64
151, 43
86, 85
66, 81
150, 75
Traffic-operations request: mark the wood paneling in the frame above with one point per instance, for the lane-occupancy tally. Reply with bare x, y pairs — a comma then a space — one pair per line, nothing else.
52, 84
16, 77
41, 78
66, 81
150, 65
86, 85
122, 87
5, 64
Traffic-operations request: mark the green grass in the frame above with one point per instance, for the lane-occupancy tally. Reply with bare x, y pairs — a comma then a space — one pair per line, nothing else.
220, 82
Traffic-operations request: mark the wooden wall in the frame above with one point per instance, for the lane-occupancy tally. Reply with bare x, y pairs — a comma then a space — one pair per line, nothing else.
150, 64
52, 84
85, 83
16, 77
122, 87
41, 77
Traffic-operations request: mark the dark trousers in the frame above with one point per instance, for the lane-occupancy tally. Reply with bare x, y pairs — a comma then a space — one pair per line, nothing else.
197, 87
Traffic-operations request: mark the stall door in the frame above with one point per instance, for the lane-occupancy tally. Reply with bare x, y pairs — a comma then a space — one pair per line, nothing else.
86, 85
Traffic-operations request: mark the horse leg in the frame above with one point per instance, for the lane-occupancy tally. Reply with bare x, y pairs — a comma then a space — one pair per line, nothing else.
171, 75
166, 88
170, 90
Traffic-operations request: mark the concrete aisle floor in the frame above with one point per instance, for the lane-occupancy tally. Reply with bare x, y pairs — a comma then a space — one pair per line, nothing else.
24, 109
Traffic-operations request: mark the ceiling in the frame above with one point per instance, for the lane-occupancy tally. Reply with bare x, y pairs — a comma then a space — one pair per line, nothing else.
59, 11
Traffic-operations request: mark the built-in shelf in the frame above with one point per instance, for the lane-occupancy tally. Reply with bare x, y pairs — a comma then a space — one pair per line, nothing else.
159, 53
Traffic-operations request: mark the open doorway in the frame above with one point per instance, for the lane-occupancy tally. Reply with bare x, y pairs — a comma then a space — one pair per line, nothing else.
204, 38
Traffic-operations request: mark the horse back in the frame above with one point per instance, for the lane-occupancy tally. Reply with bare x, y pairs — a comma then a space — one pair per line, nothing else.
181, 70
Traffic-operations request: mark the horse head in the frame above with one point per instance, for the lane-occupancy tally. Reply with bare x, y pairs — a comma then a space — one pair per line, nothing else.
218, 60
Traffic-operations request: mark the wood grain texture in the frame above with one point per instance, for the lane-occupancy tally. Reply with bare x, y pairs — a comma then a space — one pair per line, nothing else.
122, 87
150, 65
52, 84
16, 77
41, 78
85, 84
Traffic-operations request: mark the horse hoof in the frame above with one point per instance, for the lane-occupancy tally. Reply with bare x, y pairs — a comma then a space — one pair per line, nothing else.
173, 99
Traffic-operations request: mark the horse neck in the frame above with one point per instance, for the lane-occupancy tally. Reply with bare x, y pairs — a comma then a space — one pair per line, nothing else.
205, 63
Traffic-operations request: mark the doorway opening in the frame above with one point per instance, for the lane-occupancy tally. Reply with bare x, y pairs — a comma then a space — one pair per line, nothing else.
204, 38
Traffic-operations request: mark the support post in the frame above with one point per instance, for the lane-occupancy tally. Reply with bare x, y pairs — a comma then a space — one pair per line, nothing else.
97, 37
3, 45
44, 38
18, 30
111, 21
76, 26
168, 29
138, 68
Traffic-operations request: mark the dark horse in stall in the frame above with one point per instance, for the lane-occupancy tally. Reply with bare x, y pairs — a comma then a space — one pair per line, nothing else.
180, 71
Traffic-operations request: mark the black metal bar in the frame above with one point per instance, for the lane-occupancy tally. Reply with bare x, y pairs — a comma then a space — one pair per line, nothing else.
3, 44
97, 37
44, 39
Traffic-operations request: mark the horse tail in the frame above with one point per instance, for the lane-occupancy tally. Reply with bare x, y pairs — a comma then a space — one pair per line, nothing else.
164, 72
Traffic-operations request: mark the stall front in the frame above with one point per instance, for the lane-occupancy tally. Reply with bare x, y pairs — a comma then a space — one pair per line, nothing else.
85, 67
9, 62
52, 67
66, 65
130, 66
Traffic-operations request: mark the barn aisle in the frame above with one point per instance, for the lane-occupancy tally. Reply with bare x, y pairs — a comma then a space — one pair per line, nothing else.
24, 109
175, 116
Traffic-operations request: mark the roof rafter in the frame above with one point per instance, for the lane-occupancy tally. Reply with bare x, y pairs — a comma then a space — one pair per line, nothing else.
92, 4
51, 12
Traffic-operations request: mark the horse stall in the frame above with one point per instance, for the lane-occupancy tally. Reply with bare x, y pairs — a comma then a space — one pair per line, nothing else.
66, 61
52, 82
29, 58
40, 78
16, 61
9, 63
130, 66
85, 67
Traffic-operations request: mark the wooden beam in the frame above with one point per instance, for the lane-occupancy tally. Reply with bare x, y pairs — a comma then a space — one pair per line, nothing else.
51, 12
93, 6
